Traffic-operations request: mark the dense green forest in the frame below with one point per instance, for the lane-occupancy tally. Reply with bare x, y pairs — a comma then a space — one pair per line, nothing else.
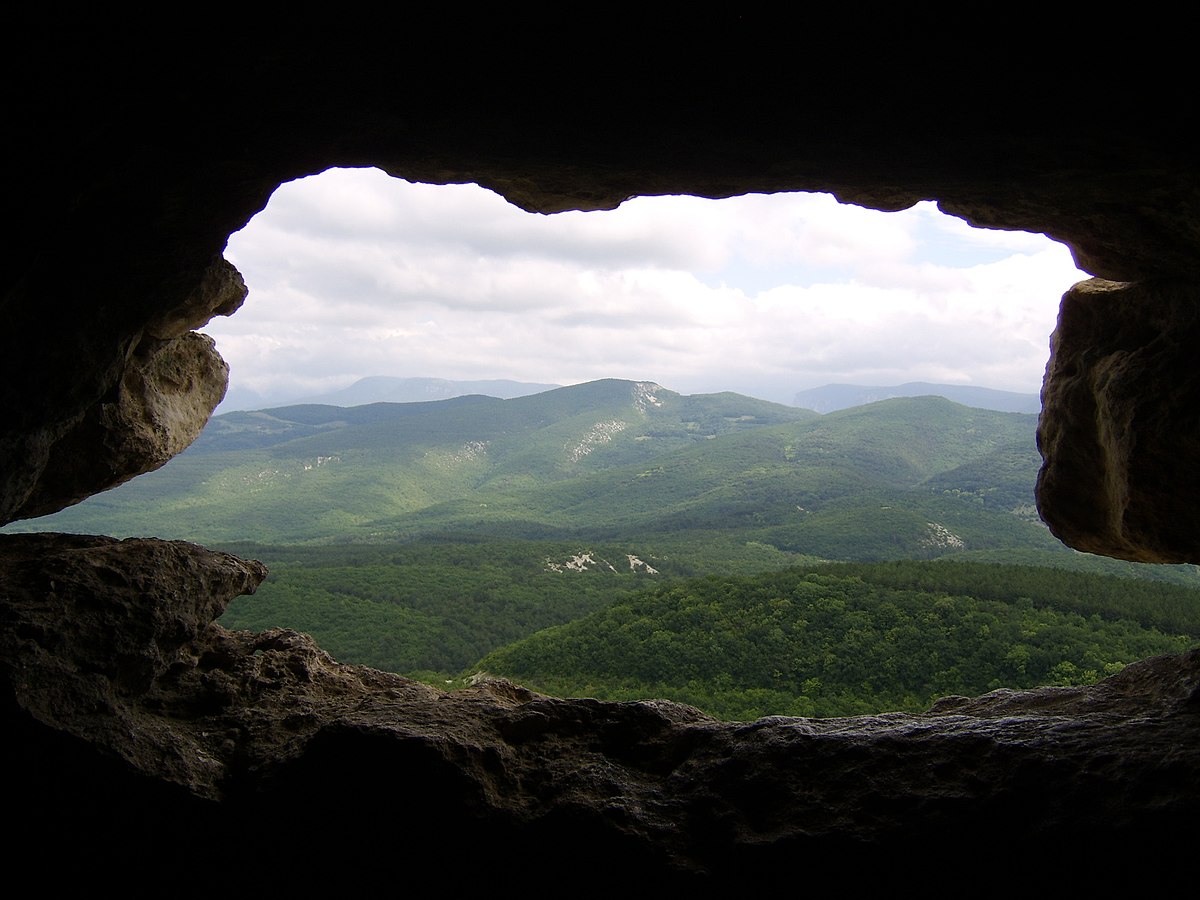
636, 622
841, 640
438, 606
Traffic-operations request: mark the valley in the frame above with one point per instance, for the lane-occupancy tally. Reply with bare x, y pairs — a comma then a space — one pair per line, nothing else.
617, 539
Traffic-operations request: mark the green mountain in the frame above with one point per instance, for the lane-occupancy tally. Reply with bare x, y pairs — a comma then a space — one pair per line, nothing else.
315, 472
913, 477
832, 397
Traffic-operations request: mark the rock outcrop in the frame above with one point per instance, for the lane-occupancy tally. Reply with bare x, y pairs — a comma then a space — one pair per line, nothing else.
166, 394
139, 736
1120, 425
285, 753
167, 384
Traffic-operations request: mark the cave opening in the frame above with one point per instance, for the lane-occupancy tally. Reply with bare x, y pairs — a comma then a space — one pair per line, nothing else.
239, 736
353, 273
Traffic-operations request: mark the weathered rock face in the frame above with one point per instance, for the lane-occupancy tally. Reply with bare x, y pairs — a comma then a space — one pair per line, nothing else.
168, 383
1120, 425
131, 722
165, 397
112, 643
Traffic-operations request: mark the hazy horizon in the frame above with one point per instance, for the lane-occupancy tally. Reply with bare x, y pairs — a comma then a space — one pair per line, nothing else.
354, 274
338, 397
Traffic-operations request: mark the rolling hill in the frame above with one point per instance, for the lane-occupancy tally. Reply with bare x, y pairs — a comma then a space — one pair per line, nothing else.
832, 397
904, 477
527, 532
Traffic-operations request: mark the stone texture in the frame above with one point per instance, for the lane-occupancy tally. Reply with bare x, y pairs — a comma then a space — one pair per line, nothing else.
1120, 425
283, 753
165, 397
153, 387
221, 292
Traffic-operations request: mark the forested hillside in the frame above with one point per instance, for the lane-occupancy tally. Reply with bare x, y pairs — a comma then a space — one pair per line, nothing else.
603, 461
841, 640
438, 607
386, 471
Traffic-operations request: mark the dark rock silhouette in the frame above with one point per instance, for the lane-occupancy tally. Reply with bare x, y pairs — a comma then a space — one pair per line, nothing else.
143, 742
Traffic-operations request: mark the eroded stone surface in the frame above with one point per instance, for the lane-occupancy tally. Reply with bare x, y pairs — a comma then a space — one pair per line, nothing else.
165, 397
111, 642
1120, 425
221, 292
104, 395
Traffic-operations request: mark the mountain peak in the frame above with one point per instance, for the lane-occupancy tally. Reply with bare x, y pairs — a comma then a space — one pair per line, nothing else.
832, 397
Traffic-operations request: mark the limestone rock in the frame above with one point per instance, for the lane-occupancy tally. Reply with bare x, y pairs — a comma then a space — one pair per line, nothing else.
221, 292
262, 747
1120, 426
164, 399
152, 389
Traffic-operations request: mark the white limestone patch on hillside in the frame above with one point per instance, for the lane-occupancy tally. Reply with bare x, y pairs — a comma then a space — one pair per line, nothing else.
267, 477
645, 394
600, 433
320, 461
468, 452
939, 537
634, 562
587, 560
580, 562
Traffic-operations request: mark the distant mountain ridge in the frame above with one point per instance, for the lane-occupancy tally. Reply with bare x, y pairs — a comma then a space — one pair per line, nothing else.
832, 397
908, 477
824, 399
388, 389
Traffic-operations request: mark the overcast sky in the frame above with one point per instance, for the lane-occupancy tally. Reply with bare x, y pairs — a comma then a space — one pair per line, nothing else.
353, 273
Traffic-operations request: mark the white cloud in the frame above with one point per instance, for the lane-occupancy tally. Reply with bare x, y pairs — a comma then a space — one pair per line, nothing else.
352, 273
